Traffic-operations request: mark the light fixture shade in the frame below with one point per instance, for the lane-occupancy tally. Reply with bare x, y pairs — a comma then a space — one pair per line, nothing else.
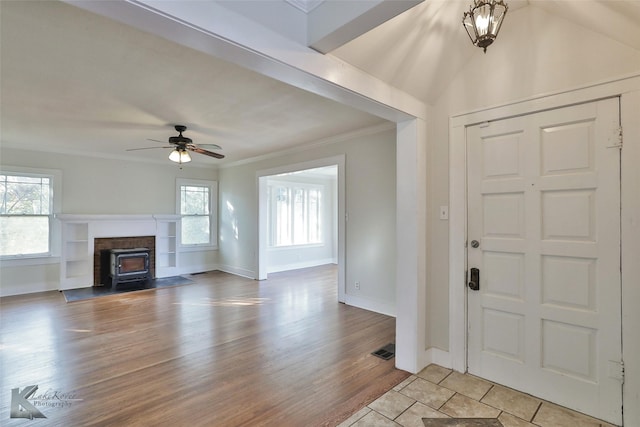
180, 156
483, 21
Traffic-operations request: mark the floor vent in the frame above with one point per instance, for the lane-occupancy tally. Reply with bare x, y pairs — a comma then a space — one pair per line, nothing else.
386, 352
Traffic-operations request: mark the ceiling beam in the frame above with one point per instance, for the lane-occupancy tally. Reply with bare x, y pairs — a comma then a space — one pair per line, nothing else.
334, 23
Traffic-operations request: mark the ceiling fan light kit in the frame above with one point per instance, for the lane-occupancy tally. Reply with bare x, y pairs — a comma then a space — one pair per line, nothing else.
180, 156
483, 21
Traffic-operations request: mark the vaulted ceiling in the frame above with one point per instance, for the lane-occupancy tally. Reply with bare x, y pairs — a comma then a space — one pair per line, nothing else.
74, 81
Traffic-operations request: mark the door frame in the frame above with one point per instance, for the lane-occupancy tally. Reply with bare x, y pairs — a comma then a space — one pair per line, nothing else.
261, 179
628, 88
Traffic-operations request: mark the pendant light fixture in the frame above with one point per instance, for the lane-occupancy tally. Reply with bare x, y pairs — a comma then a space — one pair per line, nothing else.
483, 21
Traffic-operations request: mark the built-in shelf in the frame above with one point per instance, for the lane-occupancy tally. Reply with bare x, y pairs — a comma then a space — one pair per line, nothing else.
76, 264
166, 260
76, 231
76, 250
76, 268
167, 245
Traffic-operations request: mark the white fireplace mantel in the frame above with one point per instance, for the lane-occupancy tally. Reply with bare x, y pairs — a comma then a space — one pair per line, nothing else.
130, 218
79, 232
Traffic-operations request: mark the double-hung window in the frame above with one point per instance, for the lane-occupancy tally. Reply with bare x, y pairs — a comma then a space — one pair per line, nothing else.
295, 214
197, 205
27, 210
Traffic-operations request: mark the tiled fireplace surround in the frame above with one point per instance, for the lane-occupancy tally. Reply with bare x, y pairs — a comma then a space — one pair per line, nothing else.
104, 243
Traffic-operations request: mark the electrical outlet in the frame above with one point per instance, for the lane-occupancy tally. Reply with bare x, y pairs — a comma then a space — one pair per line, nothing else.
357, 285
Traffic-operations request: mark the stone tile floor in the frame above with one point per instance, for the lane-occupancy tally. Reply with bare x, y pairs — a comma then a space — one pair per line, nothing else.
437, 392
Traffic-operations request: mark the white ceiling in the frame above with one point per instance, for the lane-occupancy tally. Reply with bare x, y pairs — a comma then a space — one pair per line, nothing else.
73, 81
425, 47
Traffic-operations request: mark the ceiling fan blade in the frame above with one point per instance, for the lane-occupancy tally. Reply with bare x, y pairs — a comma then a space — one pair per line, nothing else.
147, 148
155, 140
206, 152
210, 146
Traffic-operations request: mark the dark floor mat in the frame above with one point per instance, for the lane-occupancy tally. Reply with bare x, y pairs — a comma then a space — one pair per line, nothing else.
462, 422
72, 295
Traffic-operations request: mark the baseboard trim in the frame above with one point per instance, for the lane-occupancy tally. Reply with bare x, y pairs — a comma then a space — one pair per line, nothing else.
371, 305
439, 357
192, 269
249, 274
28, 288
299, 265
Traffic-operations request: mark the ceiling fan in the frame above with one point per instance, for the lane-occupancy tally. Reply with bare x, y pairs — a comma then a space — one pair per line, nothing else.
182, 145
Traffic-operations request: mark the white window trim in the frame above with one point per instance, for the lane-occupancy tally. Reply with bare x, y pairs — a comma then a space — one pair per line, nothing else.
54, 231
213, 214
300, 246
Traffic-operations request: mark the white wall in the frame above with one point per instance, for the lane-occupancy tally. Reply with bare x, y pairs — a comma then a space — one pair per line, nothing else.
92, 185
370, 204
535, 54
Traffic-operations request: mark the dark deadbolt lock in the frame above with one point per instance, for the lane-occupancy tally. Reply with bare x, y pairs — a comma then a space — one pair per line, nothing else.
474, 279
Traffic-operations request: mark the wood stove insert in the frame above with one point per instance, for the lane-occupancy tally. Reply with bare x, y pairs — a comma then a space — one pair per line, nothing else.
128, 265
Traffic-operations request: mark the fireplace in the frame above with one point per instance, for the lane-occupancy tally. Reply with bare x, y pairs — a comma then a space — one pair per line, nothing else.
85, 237
102, 255
128, 265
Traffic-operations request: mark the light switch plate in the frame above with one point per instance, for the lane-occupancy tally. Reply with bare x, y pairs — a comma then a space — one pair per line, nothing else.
444, 212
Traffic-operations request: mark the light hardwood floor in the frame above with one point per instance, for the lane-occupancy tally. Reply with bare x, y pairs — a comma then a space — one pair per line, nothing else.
224, 351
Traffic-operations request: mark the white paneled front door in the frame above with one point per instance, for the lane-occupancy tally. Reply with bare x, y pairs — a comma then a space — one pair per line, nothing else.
544, 234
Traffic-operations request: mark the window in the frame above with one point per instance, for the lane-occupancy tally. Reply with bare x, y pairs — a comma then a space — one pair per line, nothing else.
197, 204
295, 214
26, 213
